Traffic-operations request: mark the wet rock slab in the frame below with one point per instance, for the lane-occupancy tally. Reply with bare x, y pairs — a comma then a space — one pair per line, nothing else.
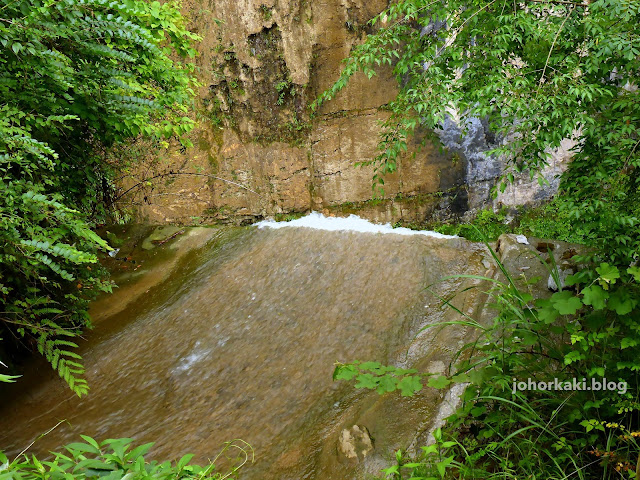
239, 340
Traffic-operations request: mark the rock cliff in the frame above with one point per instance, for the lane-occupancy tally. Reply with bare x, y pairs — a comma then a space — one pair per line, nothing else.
258, 153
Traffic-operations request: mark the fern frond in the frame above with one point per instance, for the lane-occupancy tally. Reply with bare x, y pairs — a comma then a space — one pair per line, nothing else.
64, 362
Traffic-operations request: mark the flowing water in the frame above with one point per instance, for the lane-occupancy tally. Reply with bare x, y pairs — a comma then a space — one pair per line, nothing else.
238, 339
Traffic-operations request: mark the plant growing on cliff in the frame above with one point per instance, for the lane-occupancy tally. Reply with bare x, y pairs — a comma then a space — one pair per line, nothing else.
538, 71
77, 77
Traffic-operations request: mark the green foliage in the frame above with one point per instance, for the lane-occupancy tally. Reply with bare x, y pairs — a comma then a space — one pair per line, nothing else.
7, 378
486, 224
287, 217
266, 12
589, 332
77, 77
383, 379
116, 459
551, 220
284, 88
436, 459
539, 73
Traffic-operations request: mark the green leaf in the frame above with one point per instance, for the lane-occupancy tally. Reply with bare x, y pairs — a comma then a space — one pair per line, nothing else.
595, 296
184, 461
373, 367
443, 464
547, 313
635, 272
409, 385
344, 372
460, 378
622, 302
387, 383
367, 380
478, 411
573, 357
392, 470
438, 382
566, 303
628, 342
79, 448
608, 274
90, 441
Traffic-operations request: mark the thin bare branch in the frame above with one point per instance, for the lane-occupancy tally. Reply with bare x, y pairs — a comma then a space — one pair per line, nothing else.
555, 39
163, 175
38, 438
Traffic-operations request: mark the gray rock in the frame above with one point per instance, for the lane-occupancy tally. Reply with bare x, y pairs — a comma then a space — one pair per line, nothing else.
471, 141
562, 277
434, 26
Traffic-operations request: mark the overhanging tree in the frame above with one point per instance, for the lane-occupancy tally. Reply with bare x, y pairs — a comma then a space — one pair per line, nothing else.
76, 77
539, 71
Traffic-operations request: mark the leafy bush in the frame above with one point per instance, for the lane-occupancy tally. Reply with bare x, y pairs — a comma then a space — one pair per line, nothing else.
77, 77
551, 220
114, 459
486, 225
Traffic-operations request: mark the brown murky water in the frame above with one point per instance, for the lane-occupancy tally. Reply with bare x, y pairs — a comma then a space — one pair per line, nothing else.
239, 341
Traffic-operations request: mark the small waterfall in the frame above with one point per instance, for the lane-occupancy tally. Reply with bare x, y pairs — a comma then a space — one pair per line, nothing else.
240, 342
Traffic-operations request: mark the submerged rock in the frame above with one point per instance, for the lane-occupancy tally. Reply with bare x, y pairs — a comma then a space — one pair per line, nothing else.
160, 235
355, 443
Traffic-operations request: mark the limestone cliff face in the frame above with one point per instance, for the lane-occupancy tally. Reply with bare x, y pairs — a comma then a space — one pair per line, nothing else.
258, 153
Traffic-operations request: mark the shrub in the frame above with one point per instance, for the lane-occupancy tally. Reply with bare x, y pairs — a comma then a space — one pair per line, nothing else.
115, 459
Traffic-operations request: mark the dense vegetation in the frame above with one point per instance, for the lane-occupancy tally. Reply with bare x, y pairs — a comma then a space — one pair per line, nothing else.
77, 77
538, 71
549, 220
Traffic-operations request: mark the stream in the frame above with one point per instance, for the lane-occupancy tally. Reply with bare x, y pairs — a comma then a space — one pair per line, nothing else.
237, 337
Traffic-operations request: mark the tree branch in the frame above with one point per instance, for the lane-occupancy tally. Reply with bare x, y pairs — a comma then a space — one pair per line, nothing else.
555, 39
563, 2
162, 175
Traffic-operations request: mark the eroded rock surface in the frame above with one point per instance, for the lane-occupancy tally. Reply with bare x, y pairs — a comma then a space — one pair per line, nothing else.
258, 153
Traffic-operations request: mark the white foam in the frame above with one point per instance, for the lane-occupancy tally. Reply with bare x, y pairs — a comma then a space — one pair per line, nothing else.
352, 223
194, 357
